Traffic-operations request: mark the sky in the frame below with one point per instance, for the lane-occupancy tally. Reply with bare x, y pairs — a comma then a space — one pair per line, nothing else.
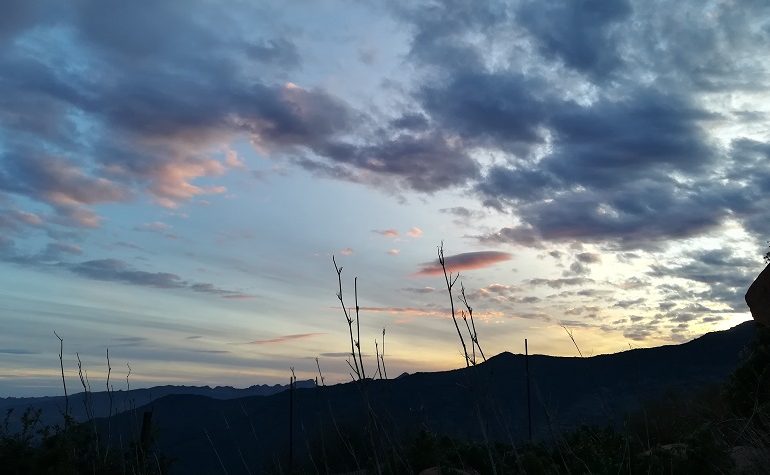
175, 178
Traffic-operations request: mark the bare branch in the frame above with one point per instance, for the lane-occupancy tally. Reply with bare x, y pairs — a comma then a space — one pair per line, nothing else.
377, 357
358, 328
320, 374
348, 318
450, 282
63, 382
474, 335
382, 355
569, 332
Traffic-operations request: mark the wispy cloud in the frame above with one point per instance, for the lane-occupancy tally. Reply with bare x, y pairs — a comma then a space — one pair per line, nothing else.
419, 290
115, 270
157, 227
465, 261
284, 338
17, 351
391, 233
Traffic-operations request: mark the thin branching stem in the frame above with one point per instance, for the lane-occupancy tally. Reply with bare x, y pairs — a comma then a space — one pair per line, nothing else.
109, 413
472, 330
320, 374
348, 318
450, 282
63, 382
377, 357
358, 328
382, 355
464, 316
571, 337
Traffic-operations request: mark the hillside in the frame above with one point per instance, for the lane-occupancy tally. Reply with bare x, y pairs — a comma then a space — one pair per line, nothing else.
466, 403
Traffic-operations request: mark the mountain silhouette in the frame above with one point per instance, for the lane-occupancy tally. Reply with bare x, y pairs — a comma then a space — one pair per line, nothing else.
207, 435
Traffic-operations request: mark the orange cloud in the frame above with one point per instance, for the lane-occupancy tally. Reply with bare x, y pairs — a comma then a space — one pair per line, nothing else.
464, 261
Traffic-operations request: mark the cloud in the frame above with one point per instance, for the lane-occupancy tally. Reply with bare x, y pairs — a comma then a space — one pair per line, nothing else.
391, 233
414, 232
115, 270
348, 251
17, 351
725, 273
59, 182
280, 51
425, 162
335, 355
585, 37
138, 129
559, 283
464, 261
420, 290
284, 338
588, 257
157, 227
463, 216
393, 252
16, 221
55, 251
598, 143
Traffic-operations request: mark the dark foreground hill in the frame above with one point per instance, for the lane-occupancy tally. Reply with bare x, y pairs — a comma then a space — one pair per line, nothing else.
251, 435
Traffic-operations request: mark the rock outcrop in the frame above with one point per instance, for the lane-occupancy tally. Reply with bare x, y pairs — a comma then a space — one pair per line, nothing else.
758, 297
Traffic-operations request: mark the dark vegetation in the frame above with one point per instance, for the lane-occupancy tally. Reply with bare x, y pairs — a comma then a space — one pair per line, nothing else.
700, 407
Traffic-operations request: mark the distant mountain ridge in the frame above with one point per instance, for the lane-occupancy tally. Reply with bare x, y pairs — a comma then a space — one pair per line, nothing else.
52, 407
463, 403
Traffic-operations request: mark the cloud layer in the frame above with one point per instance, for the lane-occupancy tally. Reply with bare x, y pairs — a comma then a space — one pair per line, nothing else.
464, 261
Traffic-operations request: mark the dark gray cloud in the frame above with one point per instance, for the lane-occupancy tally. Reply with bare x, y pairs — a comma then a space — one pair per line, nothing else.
426, 162
584, 35
440, 30
588, 257
631, 161
279, 51
496, 109
410, 121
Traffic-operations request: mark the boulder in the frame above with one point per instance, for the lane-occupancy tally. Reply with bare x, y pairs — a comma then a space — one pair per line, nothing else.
758, 297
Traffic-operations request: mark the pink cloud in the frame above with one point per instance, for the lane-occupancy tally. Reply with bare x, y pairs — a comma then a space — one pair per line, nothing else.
464, 261
347, 251
391, 233
415, 232
171, 182
284, 338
